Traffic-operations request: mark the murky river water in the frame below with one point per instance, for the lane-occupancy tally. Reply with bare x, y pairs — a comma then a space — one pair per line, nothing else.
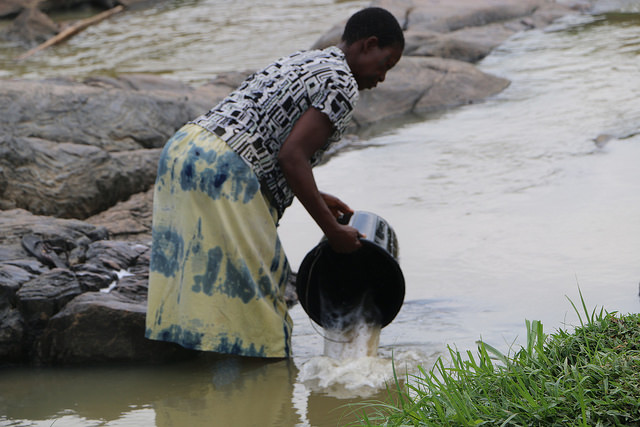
503, 211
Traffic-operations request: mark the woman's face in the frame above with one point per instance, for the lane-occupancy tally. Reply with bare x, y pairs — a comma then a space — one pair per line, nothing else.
372, 63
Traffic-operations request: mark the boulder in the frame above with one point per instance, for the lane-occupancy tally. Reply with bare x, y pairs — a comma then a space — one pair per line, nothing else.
467, 44
70, 295
466, 30
31, 27
44, 296
444, 17
17, 223
97, 113
12, 335
73, 149
129, 220
13, 7
70, 180
420, 85
12, 277
98, 327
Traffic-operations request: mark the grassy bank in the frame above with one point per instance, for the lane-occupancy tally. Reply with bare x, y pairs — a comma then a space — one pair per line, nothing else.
587, 377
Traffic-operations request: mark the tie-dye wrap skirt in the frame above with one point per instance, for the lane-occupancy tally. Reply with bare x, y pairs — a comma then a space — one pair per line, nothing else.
218, 271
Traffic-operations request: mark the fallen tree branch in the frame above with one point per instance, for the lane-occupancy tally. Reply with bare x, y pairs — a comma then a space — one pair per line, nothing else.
72, 30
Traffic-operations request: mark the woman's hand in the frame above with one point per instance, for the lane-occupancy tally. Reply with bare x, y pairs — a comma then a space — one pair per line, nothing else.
344, 238
337, 207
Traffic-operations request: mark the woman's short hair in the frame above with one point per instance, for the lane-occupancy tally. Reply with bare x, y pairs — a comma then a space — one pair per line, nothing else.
374, 21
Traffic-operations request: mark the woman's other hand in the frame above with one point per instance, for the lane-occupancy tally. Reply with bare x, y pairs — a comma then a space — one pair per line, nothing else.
344, 238
337, 207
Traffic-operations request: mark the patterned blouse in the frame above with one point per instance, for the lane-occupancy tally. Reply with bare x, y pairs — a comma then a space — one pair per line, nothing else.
257, 117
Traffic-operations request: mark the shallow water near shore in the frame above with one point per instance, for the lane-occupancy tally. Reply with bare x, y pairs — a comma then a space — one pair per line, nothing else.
503, 210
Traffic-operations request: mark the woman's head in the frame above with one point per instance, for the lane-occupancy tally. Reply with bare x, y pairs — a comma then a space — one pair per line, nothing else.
376, 22
373, 43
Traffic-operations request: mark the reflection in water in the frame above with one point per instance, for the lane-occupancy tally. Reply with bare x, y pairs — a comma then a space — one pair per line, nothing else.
329, 411
232, 391
208, 391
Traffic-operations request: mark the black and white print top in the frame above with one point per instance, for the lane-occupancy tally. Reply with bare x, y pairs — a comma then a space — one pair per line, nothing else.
256, 118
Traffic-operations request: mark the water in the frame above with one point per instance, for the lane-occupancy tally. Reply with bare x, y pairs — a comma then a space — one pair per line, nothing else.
353, 335
503, 211
349, 364
188, 40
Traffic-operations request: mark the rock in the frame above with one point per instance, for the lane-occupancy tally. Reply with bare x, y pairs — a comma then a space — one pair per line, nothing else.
56, 5
44, 296
468, 44
103, 135
128, 220
43, 176
16, 223
466, 30
419, 85
37, 297
13, 7
11, 335
102, 327
108, 118
11, 279
445, 17
45, 252
115, 255
93, 278
31, 27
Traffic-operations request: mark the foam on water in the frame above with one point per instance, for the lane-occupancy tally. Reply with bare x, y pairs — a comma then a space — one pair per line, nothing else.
346, 378
356, 376
360, 340
350, 366
352, 333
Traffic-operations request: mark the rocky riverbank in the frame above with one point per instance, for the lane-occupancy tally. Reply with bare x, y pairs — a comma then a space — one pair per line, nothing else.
78, 162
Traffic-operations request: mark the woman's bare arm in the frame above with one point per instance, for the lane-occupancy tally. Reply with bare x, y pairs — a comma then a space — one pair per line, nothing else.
309, 134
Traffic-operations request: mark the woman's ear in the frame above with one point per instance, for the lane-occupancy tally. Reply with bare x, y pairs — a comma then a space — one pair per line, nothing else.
369, 43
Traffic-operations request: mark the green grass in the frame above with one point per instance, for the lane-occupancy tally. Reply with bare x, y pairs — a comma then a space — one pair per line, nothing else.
589, 377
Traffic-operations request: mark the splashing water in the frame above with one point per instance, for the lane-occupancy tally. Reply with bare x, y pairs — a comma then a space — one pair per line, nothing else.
359, 338
350, 365
346, 378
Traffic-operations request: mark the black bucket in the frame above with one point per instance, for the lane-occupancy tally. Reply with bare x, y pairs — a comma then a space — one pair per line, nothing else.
336, 289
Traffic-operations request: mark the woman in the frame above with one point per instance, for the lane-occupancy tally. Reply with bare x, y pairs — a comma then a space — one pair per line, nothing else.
218, 270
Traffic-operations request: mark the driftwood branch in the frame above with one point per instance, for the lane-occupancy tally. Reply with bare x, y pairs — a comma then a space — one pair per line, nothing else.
72, 30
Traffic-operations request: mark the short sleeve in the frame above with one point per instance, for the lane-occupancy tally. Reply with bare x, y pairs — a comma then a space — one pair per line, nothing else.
337, 99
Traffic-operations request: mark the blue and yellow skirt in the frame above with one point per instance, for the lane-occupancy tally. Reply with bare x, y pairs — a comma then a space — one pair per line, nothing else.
218, 270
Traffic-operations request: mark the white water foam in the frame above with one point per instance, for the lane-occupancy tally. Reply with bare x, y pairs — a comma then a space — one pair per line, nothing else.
360, 377
347, 378
360, 339
350, 366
